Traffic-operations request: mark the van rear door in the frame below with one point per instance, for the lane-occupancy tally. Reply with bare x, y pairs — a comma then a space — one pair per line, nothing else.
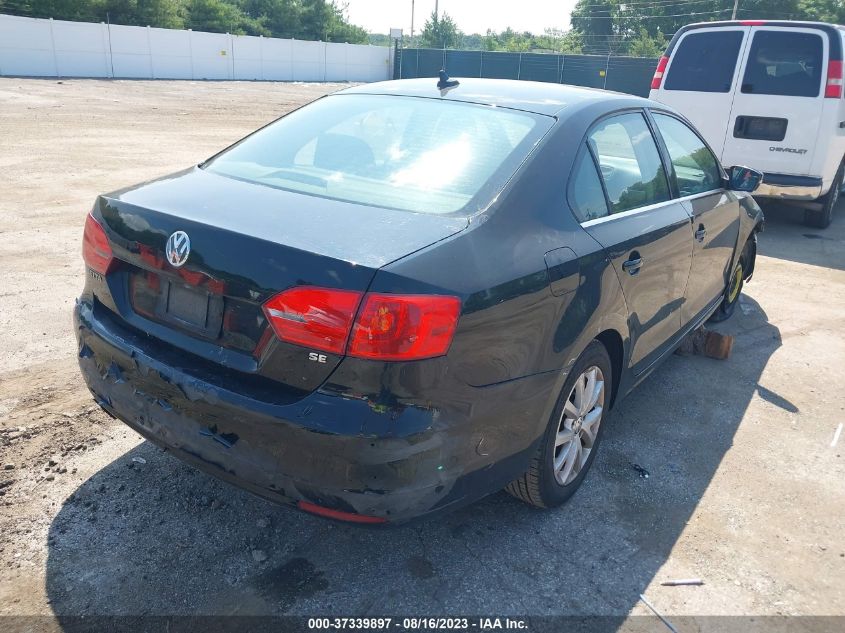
778, 105
701, 76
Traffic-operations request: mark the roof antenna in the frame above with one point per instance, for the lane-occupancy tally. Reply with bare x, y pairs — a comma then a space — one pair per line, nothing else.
445, 84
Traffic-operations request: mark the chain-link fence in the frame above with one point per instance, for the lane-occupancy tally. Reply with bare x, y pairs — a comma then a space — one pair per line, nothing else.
623, 74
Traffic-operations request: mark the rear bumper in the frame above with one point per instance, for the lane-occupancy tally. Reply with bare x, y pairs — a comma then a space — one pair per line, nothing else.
789, 187
311, 450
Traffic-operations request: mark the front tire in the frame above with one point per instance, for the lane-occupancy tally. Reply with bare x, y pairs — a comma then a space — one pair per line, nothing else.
735, 284
572, 437
821, 219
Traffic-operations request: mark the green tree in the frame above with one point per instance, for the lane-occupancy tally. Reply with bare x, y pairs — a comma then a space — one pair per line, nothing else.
303, 19
440, 32
216, 16
644, 45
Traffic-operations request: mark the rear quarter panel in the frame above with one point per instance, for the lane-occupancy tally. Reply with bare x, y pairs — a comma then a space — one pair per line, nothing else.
512, 327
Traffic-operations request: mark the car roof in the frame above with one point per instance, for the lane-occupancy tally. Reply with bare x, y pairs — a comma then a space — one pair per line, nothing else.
532, 96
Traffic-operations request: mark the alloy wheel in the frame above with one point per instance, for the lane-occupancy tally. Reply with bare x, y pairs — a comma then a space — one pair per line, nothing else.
579, 425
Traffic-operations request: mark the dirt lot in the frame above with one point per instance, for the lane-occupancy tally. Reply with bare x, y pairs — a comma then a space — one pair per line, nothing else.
744, 490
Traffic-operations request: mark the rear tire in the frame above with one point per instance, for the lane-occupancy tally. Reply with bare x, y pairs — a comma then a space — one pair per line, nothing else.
569, 445
822, 218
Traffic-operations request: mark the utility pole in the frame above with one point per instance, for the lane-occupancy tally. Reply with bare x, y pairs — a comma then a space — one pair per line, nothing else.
436, 11
412, 22
736, 5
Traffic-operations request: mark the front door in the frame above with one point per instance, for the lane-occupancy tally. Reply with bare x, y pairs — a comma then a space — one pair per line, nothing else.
714, 212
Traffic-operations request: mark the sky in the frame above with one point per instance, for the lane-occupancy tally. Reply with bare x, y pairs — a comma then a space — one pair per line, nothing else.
471, 16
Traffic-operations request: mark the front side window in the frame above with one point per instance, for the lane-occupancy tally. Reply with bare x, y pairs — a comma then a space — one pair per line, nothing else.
784, 63
403, 153
630, 164
696, 169
705, 62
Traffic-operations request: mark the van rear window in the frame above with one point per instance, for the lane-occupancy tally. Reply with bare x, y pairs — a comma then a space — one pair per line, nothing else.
705, 62
784, 63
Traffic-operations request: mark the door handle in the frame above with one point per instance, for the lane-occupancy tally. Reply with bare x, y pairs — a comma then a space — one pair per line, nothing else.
700, 233
633, 265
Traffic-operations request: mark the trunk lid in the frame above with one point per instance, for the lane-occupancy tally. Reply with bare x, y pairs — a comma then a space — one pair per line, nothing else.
247, 243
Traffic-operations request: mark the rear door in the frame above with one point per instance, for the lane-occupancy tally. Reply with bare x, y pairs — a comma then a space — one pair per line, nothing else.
698, 180
701, 76
777, 108
645, 233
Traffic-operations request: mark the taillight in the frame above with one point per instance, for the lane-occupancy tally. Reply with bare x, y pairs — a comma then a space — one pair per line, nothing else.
96, 250
319, 318
833, 87
752, 22
404, 327
387, 326
658, 73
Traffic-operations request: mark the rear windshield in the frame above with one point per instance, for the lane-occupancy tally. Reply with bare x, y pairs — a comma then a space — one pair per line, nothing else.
406, 153
705, 62
784, 63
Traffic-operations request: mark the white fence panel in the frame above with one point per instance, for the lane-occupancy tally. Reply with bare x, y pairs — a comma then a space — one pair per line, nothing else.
56, 48
212, 55
277, 59
130, 48
336, 62
246, 57
81, 49
309, 61
368, 63
26, 47
171, 54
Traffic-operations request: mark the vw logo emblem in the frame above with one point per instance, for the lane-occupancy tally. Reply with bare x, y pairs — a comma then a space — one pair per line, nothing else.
178, 248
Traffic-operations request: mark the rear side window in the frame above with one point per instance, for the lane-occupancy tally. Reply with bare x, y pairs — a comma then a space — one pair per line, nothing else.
696, 169
705, 62
587, 196
630, 165
784, 63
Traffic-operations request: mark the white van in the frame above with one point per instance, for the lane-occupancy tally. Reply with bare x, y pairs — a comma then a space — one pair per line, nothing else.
767, 95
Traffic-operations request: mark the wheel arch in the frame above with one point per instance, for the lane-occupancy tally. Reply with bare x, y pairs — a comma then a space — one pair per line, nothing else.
752, 254
612, 341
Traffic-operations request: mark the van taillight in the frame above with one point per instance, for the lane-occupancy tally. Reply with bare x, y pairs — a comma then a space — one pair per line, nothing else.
658, 73
96, 250
833, 87
386, 327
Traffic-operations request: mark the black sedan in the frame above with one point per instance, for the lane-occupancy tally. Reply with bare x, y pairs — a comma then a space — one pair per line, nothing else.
401, 298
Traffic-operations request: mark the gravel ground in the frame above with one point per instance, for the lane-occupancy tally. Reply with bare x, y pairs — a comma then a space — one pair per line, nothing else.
744, 489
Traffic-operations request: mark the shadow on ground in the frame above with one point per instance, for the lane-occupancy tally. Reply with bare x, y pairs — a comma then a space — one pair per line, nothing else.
160, 538
786, 237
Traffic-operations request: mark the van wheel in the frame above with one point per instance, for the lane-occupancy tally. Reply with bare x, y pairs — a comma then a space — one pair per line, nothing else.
569, 445
822, 218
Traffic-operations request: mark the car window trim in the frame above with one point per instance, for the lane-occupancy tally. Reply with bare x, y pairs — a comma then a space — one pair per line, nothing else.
664, 149
642, 111
651, 207
585, 148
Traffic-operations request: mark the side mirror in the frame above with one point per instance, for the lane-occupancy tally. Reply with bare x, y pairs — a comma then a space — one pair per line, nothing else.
744, 179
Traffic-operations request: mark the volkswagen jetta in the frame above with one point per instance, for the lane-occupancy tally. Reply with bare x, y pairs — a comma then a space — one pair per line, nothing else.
400, 298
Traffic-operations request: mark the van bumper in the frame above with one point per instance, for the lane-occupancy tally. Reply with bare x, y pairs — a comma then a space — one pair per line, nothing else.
789, 187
